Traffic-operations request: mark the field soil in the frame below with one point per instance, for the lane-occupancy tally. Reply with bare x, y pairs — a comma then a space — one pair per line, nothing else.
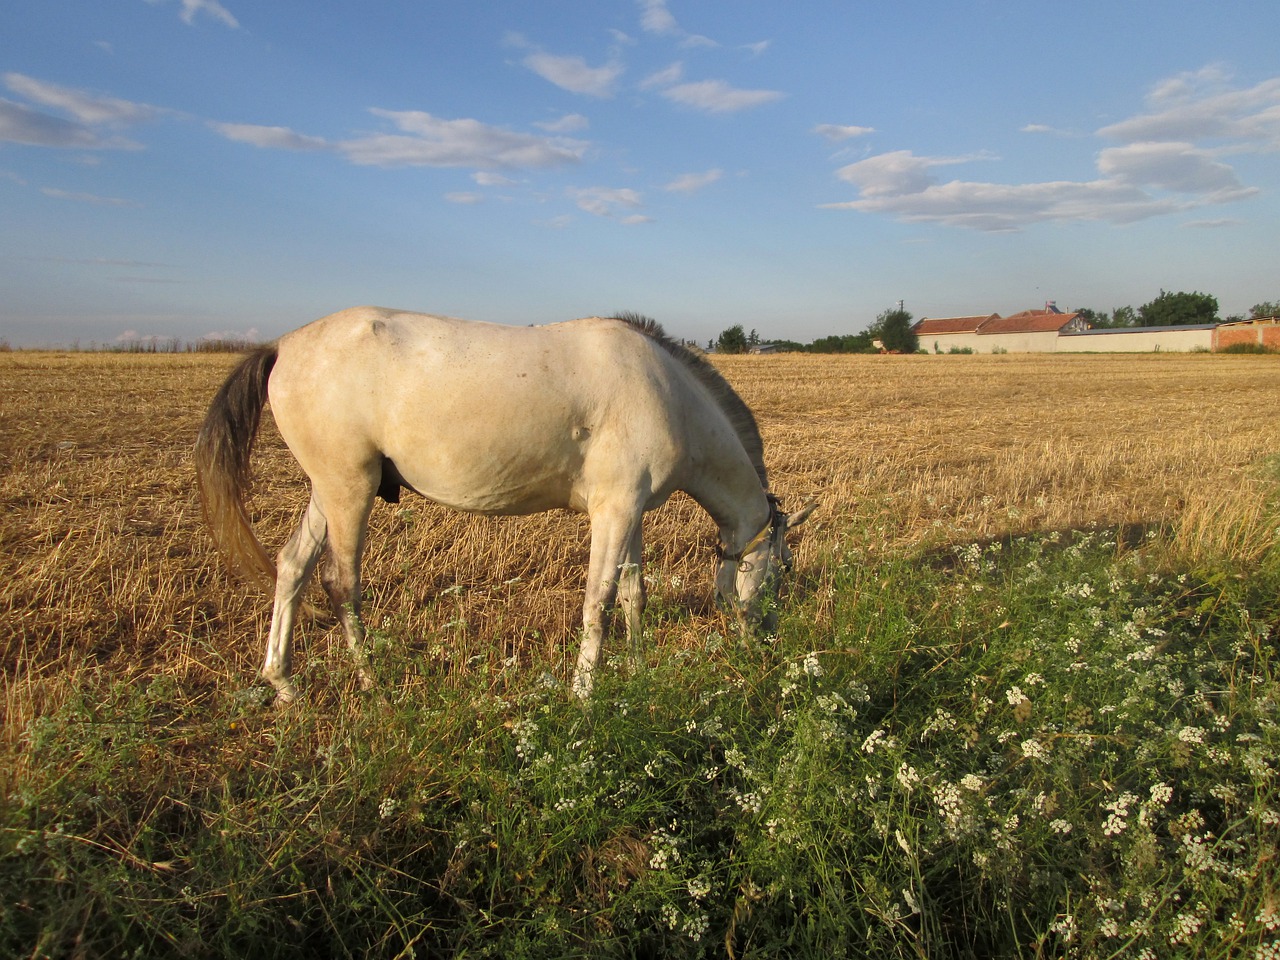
105, 564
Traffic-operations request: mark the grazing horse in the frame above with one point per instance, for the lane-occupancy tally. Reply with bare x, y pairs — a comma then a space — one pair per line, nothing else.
602, 416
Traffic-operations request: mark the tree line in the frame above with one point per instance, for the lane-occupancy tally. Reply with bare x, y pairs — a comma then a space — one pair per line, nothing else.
891, 330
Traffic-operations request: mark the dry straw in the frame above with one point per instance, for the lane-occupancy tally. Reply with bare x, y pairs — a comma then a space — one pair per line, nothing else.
106, 567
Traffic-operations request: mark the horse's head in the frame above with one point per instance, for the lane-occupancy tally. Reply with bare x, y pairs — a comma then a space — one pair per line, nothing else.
747, 581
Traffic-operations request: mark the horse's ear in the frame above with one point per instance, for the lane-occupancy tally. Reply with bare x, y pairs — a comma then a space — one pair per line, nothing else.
801, 515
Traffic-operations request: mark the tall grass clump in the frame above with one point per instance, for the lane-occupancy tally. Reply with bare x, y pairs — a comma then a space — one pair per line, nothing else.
1051, 745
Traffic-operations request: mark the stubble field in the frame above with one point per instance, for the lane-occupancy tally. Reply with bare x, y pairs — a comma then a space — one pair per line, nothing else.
1025, 604
105, 565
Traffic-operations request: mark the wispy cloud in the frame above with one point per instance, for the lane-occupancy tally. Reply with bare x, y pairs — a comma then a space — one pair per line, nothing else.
717, 96
664, 77
191, 9
1171, 159
839, 132
21, 124
423, 140
569, 72
655, 18
572, 73
465, 197
275, 138
90, 198
609, 202
429, 141
1198, 106
569, 123
693, 182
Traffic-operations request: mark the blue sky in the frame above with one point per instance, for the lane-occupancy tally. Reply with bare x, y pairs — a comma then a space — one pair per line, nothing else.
181, 168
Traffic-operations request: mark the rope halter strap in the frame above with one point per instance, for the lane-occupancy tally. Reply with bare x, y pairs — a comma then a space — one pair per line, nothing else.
776, 522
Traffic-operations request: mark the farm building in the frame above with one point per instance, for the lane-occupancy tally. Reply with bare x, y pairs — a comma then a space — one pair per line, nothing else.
1182, 339
1052, 331
1031, 331
1264, 332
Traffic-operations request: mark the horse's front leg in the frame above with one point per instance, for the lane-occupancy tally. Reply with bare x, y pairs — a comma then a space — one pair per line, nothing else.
632, 597
612, 534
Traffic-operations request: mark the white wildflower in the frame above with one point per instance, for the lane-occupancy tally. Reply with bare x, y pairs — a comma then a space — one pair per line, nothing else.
812, 667
907, 776
875, 739
1033, 749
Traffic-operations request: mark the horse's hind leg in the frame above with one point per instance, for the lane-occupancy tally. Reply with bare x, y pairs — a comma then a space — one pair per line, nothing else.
294, 565
348, 519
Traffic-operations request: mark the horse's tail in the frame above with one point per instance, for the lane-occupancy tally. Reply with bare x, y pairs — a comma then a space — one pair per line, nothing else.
222, 452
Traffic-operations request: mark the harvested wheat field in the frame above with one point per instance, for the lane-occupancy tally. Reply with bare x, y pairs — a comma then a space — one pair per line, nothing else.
106, 566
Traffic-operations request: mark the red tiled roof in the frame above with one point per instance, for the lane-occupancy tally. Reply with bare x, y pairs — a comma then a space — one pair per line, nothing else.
1028, 321
930, 326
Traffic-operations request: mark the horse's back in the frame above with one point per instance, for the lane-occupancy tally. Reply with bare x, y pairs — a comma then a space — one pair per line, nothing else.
483, 416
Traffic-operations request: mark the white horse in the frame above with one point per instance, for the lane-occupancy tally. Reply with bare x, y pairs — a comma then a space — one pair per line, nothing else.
602, 416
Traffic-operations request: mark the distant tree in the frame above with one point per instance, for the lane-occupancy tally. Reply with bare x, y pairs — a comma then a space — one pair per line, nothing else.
1179, 309
733, 340
1267, 308
1101, 320
753, 338
893, 329
786, 346
843, 343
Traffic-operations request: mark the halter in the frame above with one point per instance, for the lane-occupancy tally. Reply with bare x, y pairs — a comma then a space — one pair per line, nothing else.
776, 522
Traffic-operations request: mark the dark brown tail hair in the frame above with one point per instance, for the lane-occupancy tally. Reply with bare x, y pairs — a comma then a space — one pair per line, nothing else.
222, 452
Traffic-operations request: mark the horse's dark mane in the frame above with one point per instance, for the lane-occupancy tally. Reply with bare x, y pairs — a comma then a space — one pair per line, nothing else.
734, 407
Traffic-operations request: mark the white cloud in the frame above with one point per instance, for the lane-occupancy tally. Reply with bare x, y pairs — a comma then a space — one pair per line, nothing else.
606, 201
717, 96
569, 123
1177, 167
573, 74
756, 49
210, 8
1196, 107
656, 18
98, 201
1009, 207
21, 124
428, 141
664, 77
693, 182
423, 141
838, 132
1218, 224
465, 198
1162, 167
487, 179
1043, 128
897, 173
87, 108
275, 138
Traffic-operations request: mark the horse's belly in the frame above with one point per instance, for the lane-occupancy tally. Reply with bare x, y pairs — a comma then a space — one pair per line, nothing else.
494, 483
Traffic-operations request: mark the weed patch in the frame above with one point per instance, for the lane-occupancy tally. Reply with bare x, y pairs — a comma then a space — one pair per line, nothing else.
1052, 745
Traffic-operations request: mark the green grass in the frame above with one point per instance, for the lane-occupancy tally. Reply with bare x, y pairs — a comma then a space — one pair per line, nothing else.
1057, 745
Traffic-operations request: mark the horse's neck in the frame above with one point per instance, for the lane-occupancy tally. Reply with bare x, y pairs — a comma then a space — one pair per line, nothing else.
729, 489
